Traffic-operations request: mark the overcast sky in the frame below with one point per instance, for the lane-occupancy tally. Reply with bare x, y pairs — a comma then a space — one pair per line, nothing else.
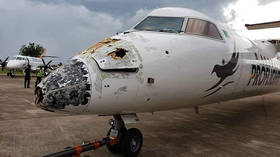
66, 27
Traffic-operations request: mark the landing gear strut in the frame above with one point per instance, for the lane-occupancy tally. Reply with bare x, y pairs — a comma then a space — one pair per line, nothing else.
129, 140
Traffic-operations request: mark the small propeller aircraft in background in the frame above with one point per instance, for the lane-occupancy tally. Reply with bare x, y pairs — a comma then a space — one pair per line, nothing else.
174, 58
21, 62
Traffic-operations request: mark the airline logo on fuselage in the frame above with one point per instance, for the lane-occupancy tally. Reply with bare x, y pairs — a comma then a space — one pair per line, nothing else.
263, 75
222, 72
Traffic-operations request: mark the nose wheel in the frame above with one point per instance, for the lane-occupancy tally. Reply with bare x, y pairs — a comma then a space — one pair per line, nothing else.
129, 140
132, 142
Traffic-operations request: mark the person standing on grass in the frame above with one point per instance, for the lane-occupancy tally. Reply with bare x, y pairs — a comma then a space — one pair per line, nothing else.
39, 76
27, 76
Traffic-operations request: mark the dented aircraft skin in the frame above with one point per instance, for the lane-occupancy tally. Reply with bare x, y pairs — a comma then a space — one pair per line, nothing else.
148, 71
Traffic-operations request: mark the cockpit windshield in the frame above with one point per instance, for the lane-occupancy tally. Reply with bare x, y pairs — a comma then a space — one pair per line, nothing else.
18, 58
161, 24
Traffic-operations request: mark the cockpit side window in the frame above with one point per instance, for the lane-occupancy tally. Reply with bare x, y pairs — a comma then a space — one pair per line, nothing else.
161, 24
203, 28
20, 58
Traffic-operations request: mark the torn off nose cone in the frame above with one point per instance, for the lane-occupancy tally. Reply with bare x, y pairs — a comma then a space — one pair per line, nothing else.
67, 86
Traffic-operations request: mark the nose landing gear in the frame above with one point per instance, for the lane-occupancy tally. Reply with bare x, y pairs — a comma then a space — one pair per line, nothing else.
119, 140
129, 140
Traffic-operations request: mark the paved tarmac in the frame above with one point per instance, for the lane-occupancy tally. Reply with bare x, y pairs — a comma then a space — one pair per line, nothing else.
245, 127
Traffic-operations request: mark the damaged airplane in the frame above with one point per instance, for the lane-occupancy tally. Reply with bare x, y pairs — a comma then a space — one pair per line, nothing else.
174, 58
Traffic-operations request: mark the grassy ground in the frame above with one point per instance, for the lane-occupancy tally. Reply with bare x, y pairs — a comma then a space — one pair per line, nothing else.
16, 72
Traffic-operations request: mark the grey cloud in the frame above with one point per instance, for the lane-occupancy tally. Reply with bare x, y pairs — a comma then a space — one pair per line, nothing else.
126, 8
68, 27
63, 29
232, 16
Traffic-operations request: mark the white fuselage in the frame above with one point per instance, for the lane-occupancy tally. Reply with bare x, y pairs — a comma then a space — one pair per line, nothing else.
21, 62
148, 71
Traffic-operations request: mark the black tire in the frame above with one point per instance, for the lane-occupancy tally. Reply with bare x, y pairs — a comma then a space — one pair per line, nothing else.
132, 143
115, 149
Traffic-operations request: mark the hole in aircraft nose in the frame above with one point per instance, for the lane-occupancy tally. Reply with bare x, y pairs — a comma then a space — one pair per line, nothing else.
118, 53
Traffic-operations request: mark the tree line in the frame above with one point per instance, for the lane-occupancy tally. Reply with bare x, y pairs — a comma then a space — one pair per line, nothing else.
32, 50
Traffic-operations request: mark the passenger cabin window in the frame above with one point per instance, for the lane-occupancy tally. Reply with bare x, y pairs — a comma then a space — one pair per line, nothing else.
203, 28
161, 24
36, 60
20, 58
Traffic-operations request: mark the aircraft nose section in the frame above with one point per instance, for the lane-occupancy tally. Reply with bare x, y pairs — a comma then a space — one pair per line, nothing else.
9, 65
65, 89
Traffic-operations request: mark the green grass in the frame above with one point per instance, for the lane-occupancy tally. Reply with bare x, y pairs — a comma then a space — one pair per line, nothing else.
16, 72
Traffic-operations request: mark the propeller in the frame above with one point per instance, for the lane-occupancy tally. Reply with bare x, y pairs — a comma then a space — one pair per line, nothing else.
47, 66
28, 62
4, 63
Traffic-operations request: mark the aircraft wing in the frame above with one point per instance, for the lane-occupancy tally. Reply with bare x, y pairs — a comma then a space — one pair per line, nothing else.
273, 24
50, 56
